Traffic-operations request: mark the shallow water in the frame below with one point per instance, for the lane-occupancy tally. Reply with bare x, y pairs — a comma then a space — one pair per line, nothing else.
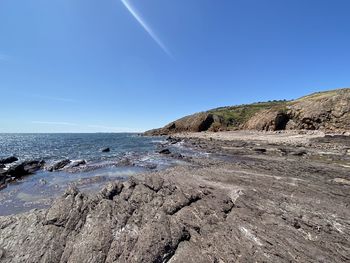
40, 189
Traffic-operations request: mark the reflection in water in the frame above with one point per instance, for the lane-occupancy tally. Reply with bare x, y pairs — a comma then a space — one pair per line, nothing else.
39, 190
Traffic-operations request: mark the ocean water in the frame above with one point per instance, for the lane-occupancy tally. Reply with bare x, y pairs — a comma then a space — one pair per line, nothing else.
40, 189
87, 146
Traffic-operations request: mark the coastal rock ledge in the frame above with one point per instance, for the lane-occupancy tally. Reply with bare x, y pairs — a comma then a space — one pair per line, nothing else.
169, 218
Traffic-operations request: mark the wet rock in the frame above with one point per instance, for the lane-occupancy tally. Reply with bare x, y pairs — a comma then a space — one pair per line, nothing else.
7, 160
59, 165
165, 151
25, 168
77, 163
106, 150
2, 172
3, 178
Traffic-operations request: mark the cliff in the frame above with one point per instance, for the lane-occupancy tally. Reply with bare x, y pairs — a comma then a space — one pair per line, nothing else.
326, 111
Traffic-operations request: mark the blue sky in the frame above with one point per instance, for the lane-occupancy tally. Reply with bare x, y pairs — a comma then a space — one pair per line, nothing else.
132, 65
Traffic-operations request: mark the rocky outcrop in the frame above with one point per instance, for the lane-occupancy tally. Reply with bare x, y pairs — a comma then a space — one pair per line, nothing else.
59, 165
3, 177
194, 123
268, 120
326, 111
248, 209
77, 163
132, 222
18, 171
25, 168
322, 111
165, 151
105, 150
8, 160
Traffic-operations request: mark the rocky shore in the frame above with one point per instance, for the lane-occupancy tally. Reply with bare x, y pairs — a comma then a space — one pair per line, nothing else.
261, 199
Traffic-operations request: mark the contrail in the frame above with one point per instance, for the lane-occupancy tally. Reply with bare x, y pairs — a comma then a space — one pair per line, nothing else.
145, 26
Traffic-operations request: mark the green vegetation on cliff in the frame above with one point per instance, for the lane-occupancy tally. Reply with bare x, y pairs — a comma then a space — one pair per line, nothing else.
234, 116
328, 111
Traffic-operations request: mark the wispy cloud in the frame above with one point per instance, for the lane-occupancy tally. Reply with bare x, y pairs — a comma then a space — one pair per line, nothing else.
145, 26
54, 123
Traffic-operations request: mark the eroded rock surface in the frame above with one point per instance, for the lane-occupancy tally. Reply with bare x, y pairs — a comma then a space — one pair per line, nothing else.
198, 122
328, 111
243, 207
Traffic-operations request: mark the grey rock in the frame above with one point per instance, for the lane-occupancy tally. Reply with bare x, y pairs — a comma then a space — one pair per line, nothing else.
25, 168
150, 166
111, 190
165, 151
7, 160
77, 163
173, 140
105, 150
59, 165
2, 253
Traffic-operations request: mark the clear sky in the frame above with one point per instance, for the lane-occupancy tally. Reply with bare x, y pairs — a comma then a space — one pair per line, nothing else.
132, 65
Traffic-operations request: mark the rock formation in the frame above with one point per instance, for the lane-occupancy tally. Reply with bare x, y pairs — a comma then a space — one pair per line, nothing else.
8, 160
327, 111
59, 165
194, 123
245, 210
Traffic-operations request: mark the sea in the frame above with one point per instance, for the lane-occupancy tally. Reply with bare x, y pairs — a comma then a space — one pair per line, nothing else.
40, 189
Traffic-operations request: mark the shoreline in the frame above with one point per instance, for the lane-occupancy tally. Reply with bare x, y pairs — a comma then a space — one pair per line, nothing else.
263, 199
